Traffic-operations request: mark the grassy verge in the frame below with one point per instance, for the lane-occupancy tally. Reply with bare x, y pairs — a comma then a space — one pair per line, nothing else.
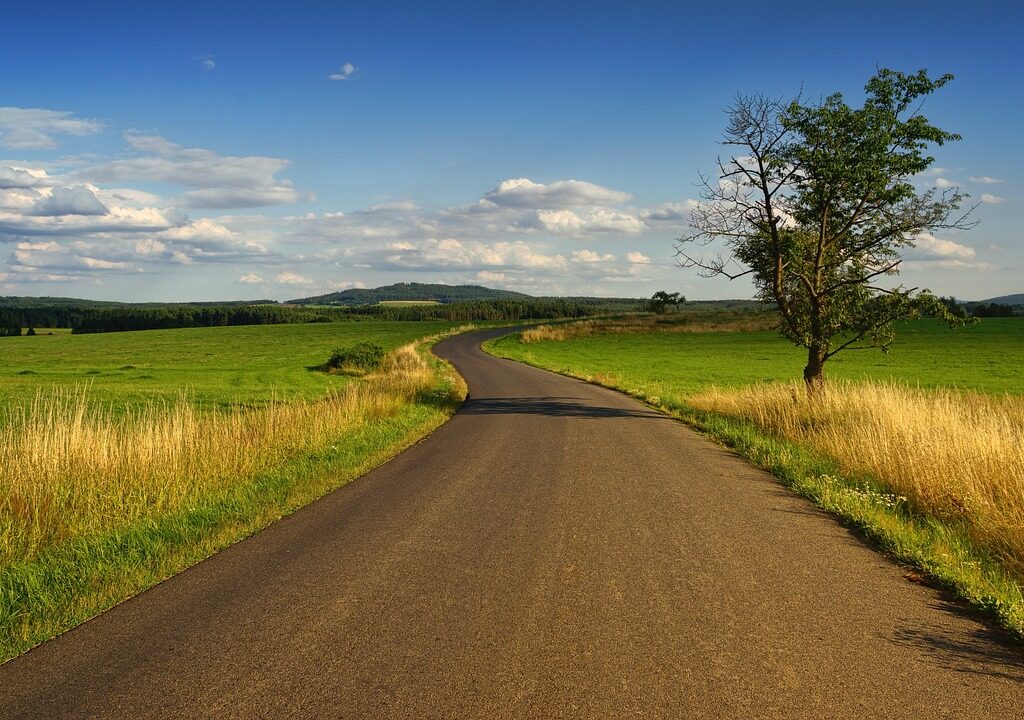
960, 532
129, 514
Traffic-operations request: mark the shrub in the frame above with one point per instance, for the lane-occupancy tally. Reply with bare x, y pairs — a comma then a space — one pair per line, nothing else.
361, 357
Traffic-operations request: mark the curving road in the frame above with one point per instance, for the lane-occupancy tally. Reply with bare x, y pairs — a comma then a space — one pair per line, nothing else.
555, 550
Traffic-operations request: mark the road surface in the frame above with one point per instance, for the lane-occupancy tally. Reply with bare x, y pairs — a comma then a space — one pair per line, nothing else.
555, 550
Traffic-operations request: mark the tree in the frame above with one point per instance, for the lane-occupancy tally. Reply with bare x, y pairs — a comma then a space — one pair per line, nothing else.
660, 301
817, 206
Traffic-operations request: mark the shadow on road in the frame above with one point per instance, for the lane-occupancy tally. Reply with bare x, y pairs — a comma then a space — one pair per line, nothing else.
552, 407
984, 651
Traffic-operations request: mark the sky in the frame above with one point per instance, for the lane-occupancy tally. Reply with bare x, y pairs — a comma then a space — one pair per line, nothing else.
213, 151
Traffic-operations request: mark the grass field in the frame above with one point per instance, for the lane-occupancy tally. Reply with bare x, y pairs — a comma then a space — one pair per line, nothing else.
218, 367
922, 448
987, 357
108, 490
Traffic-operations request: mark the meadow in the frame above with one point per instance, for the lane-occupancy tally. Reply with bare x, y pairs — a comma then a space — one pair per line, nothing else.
111, 481
216, 367
921, 448
986, 357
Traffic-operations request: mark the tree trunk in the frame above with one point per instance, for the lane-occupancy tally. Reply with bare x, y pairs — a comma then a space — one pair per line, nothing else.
814, 372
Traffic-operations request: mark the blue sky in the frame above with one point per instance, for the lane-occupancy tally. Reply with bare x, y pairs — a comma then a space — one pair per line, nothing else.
203, 151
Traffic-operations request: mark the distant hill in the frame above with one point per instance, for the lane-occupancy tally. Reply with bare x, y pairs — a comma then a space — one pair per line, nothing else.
411, 291
1016, 299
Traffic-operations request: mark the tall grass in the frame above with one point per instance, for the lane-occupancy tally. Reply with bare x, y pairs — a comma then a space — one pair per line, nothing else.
635, 325
69, 469
952, 455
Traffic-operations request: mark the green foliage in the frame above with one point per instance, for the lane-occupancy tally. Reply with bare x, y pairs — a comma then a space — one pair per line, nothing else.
361, 357
661, 301
982, 310
819, 206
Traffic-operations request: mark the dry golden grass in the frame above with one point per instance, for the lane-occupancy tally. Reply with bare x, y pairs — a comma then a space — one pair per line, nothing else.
68, 468
958, 456
647, 324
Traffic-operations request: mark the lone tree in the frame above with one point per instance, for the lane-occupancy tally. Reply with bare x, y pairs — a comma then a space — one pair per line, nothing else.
660, 301
816, 206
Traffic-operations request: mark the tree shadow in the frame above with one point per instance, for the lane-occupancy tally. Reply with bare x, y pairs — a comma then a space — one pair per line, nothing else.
982, 650
552, 407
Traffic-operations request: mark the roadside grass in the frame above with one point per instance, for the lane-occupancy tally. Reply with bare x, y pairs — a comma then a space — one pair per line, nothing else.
96, 506
930, 471
221, 367
677, 322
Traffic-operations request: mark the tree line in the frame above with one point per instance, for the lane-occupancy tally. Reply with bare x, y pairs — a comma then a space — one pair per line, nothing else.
121, 318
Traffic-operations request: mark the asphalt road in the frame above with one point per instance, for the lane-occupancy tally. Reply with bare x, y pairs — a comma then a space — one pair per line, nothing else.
555, 550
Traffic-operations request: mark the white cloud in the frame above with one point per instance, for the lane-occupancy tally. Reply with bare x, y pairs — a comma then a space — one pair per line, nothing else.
990, 199
929, 247
22, 178
450, 253
337, 285
78, 200
221, 181
985, 180
589, 256
251, 279
589, 221
669, 213
207, 62
344, 73
37, 128
287, 277
524, 193
487, 276
637, 258
944, 183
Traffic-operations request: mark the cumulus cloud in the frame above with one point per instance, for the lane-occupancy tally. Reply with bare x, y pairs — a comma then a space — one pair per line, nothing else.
37, 128
450, 253
69, 201
251, 279
944, 183
22, 178
927, 247
487, 276
287, 277
589, 256
524, 193
669, 213
637, 258
985, 180
344, 72
990, 199
220, 181
52, 258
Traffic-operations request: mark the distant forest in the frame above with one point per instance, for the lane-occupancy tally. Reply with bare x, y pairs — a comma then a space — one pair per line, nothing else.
411, 292
93, 317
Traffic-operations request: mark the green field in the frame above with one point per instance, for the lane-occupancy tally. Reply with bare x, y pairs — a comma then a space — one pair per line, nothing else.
986, 357
217, 367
